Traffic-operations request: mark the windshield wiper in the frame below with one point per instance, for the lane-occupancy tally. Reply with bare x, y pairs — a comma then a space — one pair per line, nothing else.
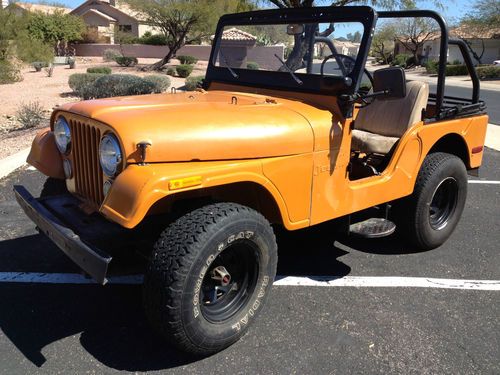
297, 79
233, 73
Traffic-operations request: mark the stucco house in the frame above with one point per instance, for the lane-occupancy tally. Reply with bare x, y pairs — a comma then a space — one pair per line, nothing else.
106, 17
489, 39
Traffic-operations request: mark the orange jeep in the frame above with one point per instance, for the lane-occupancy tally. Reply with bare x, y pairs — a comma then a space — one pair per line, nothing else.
306, 138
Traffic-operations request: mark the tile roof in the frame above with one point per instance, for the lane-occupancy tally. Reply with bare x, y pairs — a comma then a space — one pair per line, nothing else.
237, 34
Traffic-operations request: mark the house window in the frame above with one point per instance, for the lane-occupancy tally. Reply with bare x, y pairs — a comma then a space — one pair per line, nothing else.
125, 28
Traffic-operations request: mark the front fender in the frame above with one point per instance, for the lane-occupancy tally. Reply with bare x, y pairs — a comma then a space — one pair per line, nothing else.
139, 187
45, 156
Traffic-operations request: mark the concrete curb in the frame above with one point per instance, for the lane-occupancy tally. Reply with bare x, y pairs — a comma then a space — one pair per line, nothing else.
12, 162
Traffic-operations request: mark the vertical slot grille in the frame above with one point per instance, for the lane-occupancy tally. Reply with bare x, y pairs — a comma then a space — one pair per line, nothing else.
87, 169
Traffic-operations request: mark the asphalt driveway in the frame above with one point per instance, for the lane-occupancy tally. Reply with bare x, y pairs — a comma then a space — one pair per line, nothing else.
67, 328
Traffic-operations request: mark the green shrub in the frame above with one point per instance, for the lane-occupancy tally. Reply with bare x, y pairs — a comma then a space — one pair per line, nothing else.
252, 65
401, 60
488, 72
456, 70
30, 50
456, 62
80, 83
9, 73
432, 66
192, 83
161, 83
31, 115
100, 70
154, 40
38, 65
184, 70
171, 71
111, 85
111, 54
187, 59
126, 60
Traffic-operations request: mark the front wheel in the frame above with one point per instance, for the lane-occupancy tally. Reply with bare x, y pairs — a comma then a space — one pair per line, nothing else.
209, 275
429, 216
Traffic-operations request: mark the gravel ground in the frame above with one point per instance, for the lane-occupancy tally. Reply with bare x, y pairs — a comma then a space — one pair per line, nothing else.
51, 92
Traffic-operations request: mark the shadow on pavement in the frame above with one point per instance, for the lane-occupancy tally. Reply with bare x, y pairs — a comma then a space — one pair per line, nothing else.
110, 320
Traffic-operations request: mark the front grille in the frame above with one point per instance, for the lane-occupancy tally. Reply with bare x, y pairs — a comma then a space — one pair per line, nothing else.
87, 170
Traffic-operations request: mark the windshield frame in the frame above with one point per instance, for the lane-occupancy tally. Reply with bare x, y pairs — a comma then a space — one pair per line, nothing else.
281, 80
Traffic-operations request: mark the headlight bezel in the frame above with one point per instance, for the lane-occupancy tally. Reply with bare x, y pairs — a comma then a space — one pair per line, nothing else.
64, 148
107, 140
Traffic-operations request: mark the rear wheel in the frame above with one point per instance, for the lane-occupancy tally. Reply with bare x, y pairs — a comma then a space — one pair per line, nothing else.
429, 216
209, 275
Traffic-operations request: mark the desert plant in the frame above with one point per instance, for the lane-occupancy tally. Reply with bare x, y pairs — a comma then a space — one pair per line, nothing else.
186, 59
456, 70
401, 60
49, 70
111, 85
80, 82
432, 66
171, 71
72, 62
110, 54
100, 70
192, 83
161, 83
155, 40
488, 72
184, 70
126, 60
38, 65
456, 62
30, 115
9, 72
252, 65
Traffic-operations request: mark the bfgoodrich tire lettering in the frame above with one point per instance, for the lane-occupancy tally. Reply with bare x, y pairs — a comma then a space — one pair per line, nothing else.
209, 275
429, 216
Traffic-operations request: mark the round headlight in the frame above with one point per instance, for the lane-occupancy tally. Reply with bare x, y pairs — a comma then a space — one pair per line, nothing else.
110, 154
62, 135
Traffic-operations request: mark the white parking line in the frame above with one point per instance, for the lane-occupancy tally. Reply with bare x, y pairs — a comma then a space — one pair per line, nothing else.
484, 182
331, 281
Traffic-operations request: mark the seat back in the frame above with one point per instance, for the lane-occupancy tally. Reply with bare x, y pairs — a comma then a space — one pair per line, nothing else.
392, 117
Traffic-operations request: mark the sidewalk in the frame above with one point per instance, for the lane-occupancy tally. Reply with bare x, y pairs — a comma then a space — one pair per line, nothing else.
459, 81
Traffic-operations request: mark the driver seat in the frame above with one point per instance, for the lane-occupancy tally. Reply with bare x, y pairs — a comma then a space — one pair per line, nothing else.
382, 123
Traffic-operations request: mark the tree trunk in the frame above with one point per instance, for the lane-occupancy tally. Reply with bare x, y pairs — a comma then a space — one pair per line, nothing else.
161, 63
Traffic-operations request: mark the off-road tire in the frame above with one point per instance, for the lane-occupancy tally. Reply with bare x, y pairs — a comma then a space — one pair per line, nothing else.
53, 186
417, 218
181, 261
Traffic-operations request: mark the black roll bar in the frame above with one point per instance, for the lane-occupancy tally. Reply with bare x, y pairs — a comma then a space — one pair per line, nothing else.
470, 67
443, 49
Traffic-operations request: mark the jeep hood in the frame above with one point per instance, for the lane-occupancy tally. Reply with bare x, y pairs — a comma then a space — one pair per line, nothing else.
215, 125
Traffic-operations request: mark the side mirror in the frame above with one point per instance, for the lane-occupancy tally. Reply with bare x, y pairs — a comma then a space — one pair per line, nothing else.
390, 82
295, 29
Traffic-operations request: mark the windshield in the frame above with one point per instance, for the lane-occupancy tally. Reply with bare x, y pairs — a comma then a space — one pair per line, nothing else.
289, 47
311, 50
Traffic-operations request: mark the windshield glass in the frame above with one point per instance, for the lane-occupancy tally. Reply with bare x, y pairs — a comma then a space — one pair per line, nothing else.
329, 49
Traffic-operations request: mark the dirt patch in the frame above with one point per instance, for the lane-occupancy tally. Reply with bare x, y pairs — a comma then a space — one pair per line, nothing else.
53, 91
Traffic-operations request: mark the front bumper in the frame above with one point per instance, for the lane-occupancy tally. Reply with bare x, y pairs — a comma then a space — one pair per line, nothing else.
92, 260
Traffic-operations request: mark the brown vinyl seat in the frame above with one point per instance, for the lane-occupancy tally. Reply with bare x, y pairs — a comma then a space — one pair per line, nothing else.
380, 125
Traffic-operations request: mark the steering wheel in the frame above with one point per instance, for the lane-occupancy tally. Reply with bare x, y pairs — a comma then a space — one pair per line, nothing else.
346, 65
